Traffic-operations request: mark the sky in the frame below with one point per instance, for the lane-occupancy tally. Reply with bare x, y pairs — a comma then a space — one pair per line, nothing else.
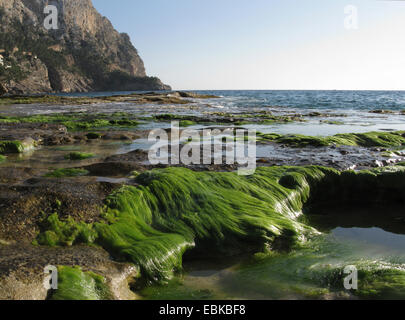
266, 44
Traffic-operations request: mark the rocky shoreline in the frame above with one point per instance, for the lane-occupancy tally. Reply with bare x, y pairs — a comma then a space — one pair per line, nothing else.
116, 222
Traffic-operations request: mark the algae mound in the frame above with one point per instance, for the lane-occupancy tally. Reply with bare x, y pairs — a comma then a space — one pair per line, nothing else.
11, 147
369, 139
176, 209
75, 156
78, 121
75, 284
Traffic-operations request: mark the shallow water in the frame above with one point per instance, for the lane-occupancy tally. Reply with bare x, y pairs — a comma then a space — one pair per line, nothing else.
300, 274
46, 157
376, 238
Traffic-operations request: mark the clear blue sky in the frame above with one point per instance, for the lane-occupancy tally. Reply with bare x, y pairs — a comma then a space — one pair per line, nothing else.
265, 44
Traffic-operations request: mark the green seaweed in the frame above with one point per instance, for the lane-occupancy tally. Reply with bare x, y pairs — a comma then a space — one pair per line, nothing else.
34, 99
75, 156
312, 270
369, 139
227, 118
65, 233
176, 290
175, 209
316, 270
77, 121
338, 123
75, 284
11, 147
67, 172
186, 123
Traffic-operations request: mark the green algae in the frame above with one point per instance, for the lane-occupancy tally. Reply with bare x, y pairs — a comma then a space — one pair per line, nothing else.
186, 123
174, 210
134, 174
11, 147
338, 123
369, 139
78, 121
65, 233
67, 172
176, 290
312, 270
76, 156
34, 99
227, 118
75, 284
316, 270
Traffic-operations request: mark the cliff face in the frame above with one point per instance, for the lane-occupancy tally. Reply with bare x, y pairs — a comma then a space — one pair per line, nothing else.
85, 53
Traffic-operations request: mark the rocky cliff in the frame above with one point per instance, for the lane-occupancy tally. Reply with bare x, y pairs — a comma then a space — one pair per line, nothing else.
84, 53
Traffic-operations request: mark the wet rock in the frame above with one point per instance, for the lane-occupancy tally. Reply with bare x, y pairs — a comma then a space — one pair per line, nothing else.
35, 133
341, 158
133, 156
22, 270
382, 111
114, 169
120, 135
11, 175
24, 207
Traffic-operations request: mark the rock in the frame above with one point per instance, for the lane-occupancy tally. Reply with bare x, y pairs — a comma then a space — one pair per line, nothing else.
22, 270
32, 134
123, 135
3, 89
381, 111
193, 95
91, 54
24, 206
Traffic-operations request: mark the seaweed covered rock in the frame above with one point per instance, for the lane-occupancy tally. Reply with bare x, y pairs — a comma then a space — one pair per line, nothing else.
84, 272
369, 139
75, 284
175, 210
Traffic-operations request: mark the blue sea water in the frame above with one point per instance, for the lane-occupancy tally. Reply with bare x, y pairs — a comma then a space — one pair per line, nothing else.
359, 100
304, 99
